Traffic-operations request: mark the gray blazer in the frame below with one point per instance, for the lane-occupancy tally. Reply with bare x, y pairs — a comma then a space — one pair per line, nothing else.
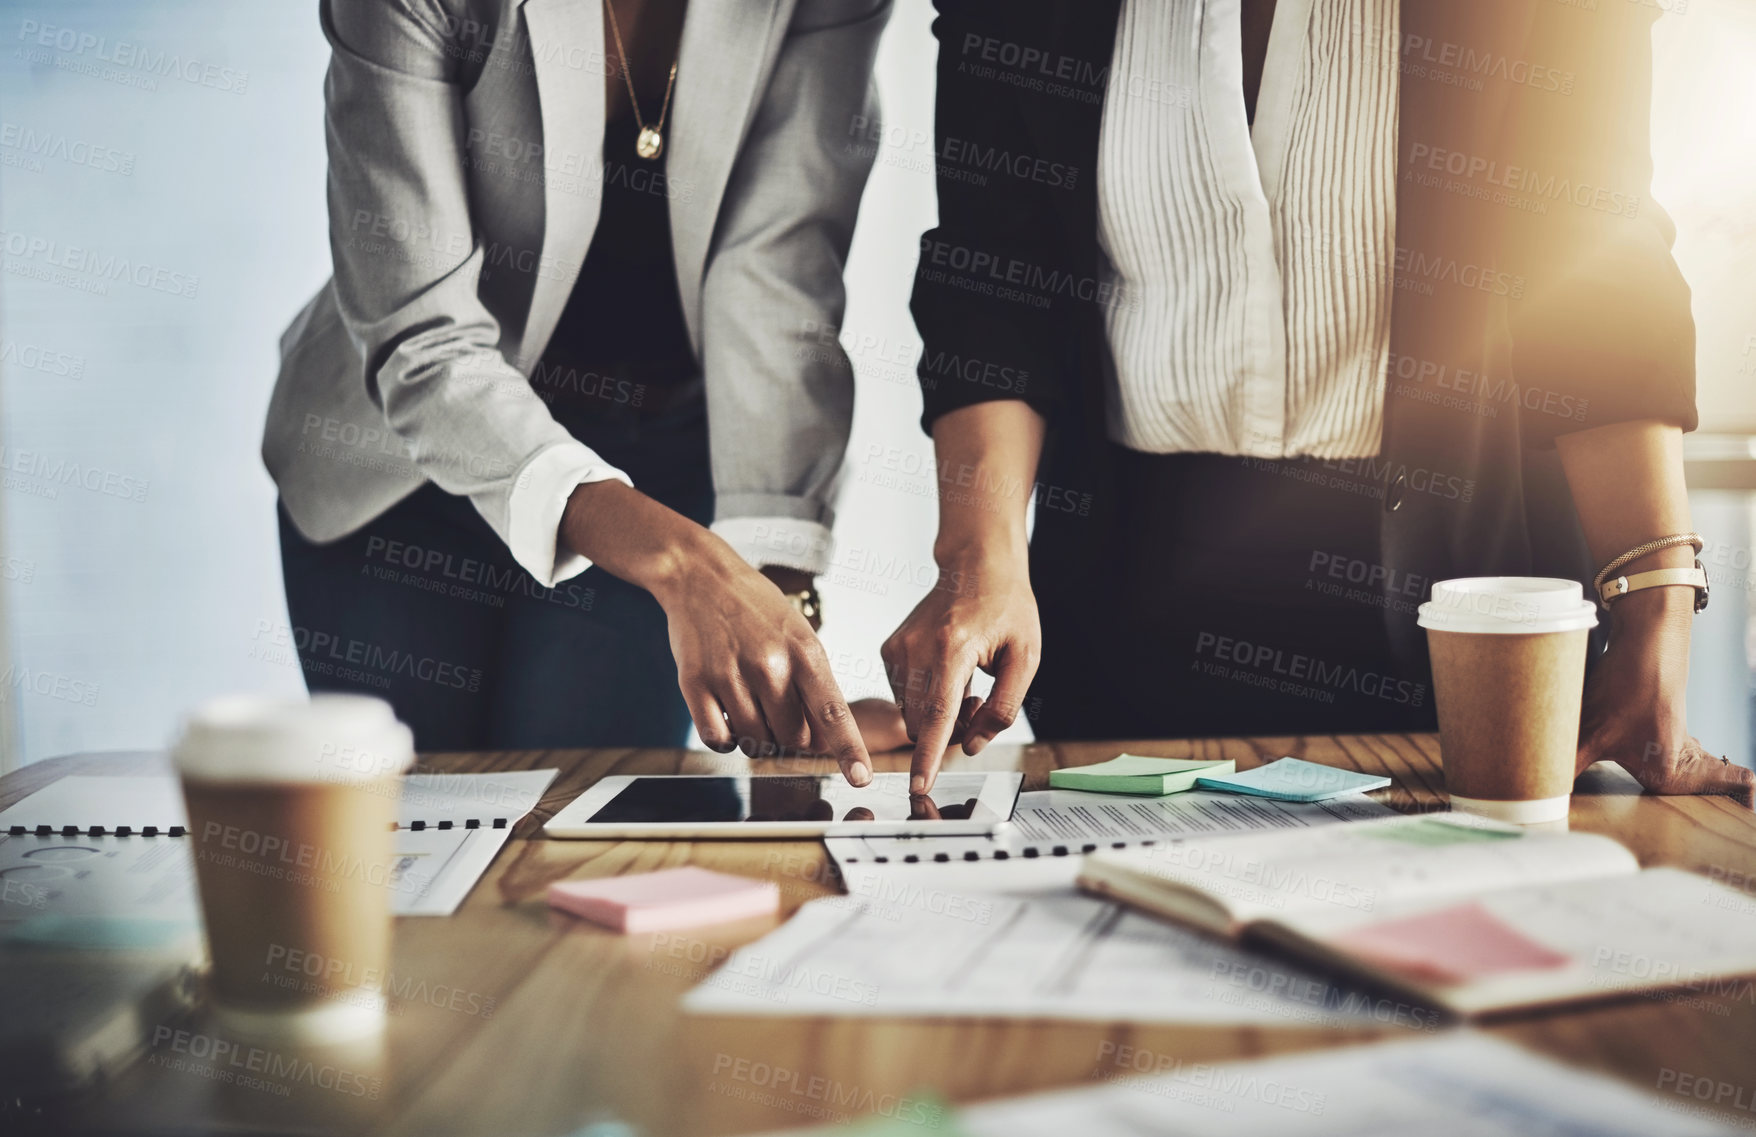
465, 172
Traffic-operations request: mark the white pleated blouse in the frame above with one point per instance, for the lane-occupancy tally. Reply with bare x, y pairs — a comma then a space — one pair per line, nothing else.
1258, 262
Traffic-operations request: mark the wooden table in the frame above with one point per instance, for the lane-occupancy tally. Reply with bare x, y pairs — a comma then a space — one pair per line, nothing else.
533, 1023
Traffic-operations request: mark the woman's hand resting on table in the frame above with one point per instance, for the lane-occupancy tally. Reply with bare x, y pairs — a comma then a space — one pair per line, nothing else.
1633, 713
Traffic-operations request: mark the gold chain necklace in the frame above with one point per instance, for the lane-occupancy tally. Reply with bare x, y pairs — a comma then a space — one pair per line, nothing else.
651, 142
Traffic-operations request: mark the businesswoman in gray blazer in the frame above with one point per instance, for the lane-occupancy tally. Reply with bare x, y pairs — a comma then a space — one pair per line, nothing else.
562, 407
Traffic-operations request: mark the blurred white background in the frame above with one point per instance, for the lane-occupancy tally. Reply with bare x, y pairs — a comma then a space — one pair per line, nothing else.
151, 579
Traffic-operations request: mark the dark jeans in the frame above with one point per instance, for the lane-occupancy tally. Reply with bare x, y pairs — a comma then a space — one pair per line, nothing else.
425, 607
1215, 596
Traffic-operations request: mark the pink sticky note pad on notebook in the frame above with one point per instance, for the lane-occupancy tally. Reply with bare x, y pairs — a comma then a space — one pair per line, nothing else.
659, 901
1452, 945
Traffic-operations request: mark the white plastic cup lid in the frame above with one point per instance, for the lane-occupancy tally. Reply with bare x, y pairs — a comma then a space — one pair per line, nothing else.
1508, 605
327, 738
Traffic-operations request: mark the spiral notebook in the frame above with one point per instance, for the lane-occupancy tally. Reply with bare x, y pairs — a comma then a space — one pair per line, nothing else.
449, 826
1052, 829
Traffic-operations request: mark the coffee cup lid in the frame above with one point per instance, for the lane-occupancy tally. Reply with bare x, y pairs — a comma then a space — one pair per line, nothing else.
327, 738
1508, 605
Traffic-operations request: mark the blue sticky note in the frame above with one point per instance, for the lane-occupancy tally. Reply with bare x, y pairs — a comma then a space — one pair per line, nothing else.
1291, 779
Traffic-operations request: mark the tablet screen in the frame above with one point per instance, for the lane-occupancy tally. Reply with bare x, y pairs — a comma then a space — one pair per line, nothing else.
794, 798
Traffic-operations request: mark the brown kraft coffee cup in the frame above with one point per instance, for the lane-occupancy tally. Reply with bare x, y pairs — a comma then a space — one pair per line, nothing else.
292, 807
1508, 659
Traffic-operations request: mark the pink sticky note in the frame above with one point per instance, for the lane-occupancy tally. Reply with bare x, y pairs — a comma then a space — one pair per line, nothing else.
1452, 945
659, 901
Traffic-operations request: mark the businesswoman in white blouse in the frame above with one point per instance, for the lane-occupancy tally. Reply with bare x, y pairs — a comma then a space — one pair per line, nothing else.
574, 243
1347, 296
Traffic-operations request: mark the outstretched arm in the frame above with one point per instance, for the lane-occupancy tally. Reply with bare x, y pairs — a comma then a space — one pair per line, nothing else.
981, 613
752, 670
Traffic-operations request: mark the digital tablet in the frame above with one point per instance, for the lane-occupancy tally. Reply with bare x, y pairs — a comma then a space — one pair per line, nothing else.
792, 805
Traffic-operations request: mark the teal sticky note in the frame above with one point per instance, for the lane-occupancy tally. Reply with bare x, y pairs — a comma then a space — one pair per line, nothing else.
1292, 779
1133, 774
115, 933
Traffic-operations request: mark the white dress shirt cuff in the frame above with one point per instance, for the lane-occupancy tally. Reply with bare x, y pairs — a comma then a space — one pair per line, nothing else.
781, 542
539, 496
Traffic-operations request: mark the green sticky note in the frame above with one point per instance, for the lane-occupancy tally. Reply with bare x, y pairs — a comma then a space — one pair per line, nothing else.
1133, 774
1435, 831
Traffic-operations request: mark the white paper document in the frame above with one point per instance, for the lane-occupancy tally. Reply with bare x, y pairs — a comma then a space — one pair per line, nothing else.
1051, 817
992, 927
501, 797
435, 869
1461, 1084
80, 878
943, 953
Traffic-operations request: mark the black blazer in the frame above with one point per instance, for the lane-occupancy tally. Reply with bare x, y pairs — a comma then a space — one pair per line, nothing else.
1536, 293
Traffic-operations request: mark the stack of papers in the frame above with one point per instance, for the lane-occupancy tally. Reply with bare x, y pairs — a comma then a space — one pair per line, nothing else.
992, 927
934, 951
